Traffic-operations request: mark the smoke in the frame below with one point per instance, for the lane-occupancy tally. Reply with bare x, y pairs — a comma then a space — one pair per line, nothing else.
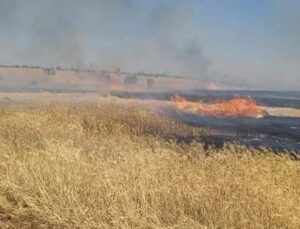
193, 59
107, 34
208, 40
51, 42
169, 43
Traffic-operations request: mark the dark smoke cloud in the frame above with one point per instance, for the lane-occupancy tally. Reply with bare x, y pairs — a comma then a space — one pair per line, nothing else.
169, 43
193, 59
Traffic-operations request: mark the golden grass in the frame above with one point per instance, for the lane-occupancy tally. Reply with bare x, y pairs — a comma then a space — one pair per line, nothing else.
105, 165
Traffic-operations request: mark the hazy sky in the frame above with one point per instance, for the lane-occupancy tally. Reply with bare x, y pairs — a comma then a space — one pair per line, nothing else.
249, 43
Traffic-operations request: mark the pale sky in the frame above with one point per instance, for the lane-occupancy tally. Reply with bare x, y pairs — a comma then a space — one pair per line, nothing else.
247, 43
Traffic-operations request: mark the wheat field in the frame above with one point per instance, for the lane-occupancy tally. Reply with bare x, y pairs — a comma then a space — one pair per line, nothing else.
106, 164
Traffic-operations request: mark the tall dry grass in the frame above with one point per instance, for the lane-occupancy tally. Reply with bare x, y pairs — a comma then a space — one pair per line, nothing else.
105, 165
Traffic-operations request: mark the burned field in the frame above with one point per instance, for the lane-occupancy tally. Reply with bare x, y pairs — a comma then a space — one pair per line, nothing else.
85, 161
289, 99
277, 133
244, 118
262, 126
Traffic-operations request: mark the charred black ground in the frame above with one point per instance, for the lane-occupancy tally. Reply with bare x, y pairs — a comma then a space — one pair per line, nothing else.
275, 132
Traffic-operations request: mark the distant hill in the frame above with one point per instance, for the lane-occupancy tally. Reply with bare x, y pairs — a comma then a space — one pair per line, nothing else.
36, 78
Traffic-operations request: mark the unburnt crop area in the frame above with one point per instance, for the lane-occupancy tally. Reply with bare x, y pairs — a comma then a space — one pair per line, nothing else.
110, 164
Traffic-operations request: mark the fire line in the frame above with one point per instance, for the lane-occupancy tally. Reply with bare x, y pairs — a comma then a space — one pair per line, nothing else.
236, 107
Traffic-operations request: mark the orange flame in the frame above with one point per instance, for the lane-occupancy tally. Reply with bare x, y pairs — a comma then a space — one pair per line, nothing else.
232, 108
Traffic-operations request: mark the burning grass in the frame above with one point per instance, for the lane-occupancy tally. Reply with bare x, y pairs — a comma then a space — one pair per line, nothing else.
234, 107
105, 165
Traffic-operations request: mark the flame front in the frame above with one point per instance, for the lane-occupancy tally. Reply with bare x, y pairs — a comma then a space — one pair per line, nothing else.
231, 108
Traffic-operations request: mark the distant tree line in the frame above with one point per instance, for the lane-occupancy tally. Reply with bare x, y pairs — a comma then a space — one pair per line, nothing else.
51, 70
